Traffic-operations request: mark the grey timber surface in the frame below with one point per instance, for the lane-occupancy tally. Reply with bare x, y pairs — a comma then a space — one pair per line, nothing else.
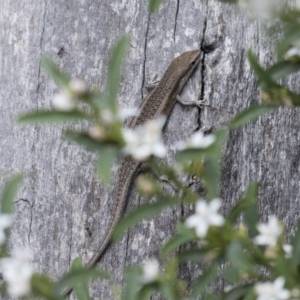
62, 209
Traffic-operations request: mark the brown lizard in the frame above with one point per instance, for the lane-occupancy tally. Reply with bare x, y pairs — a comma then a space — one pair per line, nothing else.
159, 102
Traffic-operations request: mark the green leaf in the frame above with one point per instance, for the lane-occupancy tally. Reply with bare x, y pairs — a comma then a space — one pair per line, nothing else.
247, 201
240, 259
283, 68
209, 160
9, 193
195, 155
203, 281
133, 280
42, 286
238, 292
193, 255
177, 241
146, 291
83, 139
232, 275
296, 249
106, 158
210, 296
264, 77
79, 276
292, 34
59, 77
250, 114
143, 212
154, 5
251, 212
114, 71
212, 165
53, 116
81, 288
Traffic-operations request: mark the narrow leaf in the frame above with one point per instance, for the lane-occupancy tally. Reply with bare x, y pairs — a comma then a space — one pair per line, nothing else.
283, 68
251, 212
240, 259
114, 71
250, 114
264, 77
193, 255
59, 77
81, 288
232, 275
42, 286
238, 292
212, 165
75, 277
177, 241
142, 212
106, 158
53, 116
9, 193
154, 5
83, 139
296, 249
248, 200
133, 279
203, 281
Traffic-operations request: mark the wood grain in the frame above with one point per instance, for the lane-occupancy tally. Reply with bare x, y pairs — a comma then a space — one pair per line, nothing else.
63, 210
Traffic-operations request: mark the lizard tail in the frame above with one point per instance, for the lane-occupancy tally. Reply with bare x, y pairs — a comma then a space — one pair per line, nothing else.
127, 172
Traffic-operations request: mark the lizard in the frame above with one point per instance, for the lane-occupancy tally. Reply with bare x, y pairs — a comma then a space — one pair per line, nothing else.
160, 101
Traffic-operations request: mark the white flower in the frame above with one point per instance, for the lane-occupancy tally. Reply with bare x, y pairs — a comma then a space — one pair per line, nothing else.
17, 272
269, 233
77, 86
272, 290
63, 101
145, 140
5, 222
150, 271
205, 216
288, 249
197, 140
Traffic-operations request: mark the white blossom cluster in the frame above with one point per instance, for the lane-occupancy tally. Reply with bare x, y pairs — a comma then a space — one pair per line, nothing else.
206, 215
197, 140
64, 101
269, 232
150, 271
145, 140
16, 270
272, 290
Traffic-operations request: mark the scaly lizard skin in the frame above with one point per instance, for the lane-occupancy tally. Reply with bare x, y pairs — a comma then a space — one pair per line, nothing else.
159, 102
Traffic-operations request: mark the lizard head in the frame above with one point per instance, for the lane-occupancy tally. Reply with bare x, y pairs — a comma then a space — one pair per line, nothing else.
184, 64
188, 60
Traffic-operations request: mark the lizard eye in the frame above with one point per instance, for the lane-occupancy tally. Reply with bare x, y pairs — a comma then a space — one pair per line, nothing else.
193, 62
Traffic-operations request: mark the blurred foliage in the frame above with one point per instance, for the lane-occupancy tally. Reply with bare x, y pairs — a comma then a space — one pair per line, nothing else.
229, 250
